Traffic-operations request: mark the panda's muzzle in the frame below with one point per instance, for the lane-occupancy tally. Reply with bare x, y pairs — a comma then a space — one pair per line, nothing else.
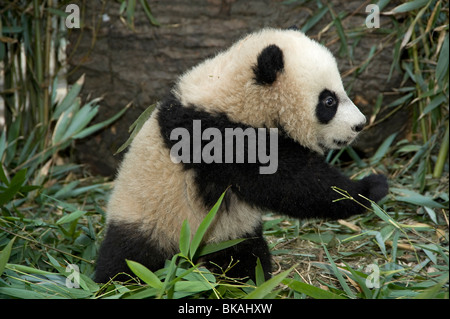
341, 143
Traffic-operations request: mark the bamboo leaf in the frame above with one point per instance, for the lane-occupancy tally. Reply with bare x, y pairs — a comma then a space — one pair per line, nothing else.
311, 291
443, 61
14, 186
78, 191
431, 292
355, 157
69, 98
3, 145
314, 19
384, 216
3, 176
382, 150
4, 255
193, 286
198, 237
28, 270
411, 197
81, 119
145, 274
197, 281
443, 154
259, 273
338, 274
267, 287
171, 272
136, 126
64, 121
403, 99
148, 13
435, 102
337, 21
409, 6
360, 278
96, 127
212, 248
185, 238
131, 5
70, 217
66, 190
29, 147
12, 138
24, 294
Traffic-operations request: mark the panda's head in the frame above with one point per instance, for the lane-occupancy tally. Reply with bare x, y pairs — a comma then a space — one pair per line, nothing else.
277, 78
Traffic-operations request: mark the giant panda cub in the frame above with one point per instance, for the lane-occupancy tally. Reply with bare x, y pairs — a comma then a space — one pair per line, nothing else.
276, 85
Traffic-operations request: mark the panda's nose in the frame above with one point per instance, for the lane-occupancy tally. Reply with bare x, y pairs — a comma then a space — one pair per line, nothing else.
359, 127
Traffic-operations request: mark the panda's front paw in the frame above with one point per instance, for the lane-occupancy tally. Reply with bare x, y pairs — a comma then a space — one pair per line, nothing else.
377, 186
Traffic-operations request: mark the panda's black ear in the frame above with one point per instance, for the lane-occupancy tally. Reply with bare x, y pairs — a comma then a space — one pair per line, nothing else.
270, 61
293, 27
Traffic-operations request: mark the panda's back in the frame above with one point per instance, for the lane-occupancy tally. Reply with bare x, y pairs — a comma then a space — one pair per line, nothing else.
154, 195
150, 191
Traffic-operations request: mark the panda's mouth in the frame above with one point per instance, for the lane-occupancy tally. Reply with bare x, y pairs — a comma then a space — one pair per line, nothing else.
341, 143
335, 144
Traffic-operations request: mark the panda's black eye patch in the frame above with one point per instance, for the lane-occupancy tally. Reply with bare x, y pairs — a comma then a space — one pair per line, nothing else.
327, 106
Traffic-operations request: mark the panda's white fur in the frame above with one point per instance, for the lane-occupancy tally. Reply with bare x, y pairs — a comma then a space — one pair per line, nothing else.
155, 192
152, 195
225, 84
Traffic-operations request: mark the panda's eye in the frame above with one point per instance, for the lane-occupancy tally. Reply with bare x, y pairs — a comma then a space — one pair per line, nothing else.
330, 101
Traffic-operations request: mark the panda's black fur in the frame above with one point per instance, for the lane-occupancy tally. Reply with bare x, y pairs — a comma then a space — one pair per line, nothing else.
301, 187
303, 179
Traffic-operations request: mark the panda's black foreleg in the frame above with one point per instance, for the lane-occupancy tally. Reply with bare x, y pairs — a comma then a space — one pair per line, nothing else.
239, 261
304, 187
311, 194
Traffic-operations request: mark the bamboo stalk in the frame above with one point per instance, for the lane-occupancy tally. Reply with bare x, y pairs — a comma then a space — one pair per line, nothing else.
443, 152
47, 48
37, 43
417, 70
38, 69
423, 119
8, 83
47, 75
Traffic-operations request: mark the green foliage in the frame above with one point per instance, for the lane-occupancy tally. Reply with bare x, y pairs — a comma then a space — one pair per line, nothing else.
311, 291
52, 216
47, 205
128, 7
39, 125
182, 277
136, 126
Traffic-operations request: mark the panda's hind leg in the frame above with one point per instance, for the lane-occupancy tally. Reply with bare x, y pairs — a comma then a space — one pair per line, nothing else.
122, 242
239, 261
